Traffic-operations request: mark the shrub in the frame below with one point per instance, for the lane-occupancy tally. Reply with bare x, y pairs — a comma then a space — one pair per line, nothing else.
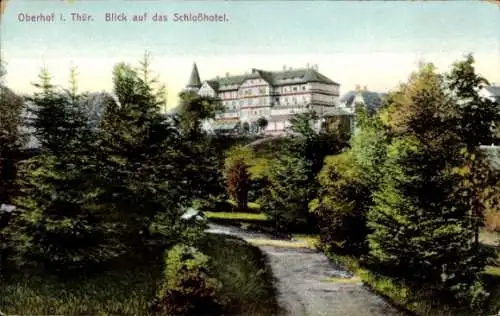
341, 206
188, 288
286, 200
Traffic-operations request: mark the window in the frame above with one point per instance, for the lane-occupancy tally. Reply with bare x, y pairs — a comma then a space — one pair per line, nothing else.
294, 88
262, 90
249, 101
303, 88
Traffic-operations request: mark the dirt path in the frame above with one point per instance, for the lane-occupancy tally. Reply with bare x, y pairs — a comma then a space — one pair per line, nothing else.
308, 283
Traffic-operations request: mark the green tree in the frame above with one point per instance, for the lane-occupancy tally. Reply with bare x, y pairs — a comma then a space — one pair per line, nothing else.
11, 139
139, 162
57, 223
286, 200
204, 168
262, 123
238, 184
475, 120
476, 117
420, 220
346, 185
341, 205
304, 154
194, 109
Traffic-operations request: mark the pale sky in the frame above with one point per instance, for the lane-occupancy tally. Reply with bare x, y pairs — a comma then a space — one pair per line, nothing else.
373, 44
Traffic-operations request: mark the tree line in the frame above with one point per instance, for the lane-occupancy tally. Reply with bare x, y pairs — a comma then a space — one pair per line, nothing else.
407, 194
94, 193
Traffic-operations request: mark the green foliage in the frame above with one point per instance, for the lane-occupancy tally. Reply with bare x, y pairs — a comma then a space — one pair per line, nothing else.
125, 287
286, 200
476, 116
11, 106
141, 162
245, 274
237, 216
194, 109
341, 206
420, 221
292, 178
368, 150
57, 222
201, 154
57, 120
189, 288
257, 168
262, 123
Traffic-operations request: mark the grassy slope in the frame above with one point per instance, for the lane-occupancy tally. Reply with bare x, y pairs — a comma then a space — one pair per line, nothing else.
236, 216
123, 290
400, 295
128, 290
243, 270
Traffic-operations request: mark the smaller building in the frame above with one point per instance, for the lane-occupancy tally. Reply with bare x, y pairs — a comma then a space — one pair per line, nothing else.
492, 155
371, 100
490, 92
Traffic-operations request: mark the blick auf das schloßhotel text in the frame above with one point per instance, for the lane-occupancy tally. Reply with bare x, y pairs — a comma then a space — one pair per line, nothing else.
193, 17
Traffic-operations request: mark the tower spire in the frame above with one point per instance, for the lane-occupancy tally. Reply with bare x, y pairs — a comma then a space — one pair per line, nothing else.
194, 79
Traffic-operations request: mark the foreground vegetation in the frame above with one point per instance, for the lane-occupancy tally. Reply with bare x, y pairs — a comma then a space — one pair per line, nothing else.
403, 201
98, 226
130, 287
406, 202
418, 301
407, 196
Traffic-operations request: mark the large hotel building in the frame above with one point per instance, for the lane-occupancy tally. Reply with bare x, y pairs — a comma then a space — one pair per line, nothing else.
274, 95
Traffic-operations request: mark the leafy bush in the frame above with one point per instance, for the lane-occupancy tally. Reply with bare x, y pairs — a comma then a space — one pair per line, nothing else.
286, 200
189, 288
341, 206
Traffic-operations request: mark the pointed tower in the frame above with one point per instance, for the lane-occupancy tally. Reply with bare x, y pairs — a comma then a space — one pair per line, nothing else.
194, 80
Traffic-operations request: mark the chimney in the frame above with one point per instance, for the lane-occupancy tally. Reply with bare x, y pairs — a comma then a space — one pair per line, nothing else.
358, 87
365, 89
284, 67
218, 77
227, 74
307, 65
290, 68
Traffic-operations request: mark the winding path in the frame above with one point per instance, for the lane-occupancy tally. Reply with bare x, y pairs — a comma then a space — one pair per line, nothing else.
303, 280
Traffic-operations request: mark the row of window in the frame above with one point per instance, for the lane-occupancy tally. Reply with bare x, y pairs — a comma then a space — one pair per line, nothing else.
264, 112
293, 88
260, 91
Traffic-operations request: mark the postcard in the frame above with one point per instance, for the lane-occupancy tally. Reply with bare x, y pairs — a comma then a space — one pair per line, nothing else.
249, 157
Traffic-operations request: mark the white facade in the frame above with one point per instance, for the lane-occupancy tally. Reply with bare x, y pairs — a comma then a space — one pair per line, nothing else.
274, 95
491, 92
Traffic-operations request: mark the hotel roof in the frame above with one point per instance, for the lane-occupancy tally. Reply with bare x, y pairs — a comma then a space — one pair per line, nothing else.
275, 78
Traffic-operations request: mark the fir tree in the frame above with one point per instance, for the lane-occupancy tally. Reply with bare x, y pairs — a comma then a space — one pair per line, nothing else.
420, 218
288, 195
139, 162
58, 223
